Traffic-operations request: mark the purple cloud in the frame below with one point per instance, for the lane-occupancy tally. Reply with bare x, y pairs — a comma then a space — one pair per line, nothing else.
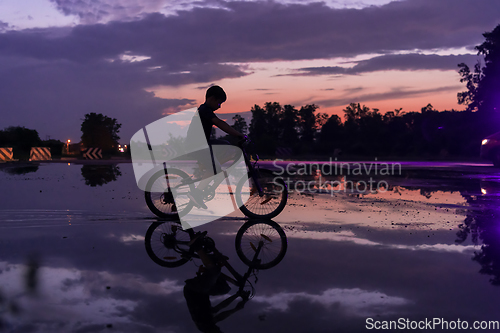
400, 62
399, 93
260, 31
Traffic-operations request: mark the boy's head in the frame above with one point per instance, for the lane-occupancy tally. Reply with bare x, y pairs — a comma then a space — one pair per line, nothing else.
215, 96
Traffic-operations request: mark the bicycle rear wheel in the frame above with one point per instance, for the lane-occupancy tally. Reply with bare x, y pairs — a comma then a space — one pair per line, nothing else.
267, 206
267, 235
165, 242
160, 194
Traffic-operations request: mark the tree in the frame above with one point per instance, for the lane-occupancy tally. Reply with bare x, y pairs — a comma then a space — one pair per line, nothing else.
354, 112
427, 108
99, 131
307, 123
56, 146
98, 175
19, 137
240, 124
483, 86
289, 121
265, 128
472, 79
284, 126
257, 123
321, 119
331, 134
258, 130
274, 114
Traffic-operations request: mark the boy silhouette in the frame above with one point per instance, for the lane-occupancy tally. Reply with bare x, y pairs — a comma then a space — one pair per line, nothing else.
214, 98
210, 282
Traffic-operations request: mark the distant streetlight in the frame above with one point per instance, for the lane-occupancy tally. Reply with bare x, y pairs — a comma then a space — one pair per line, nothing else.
67, 146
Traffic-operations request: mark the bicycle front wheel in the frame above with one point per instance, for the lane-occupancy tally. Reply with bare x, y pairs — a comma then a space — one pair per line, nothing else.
267, 237
270, 203
165, 242
161, 190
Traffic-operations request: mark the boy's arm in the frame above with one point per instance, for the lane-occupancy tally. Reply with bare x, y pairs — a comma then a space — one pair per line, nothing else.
226, 128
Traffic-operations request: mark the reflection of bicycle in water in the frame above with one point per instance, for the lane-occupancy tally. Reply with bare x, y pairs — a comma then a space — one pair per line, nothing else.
259, 244
267, 195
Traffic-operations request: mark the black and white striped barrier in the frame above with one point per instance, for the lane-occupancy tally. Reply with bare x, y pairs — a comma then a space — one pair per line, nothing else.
6, 154
40, 154
168, 152
93, 153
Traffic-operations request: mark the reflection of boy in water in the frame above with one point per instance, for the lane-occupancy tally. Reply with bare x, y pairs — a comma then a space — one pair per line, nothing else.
198, 290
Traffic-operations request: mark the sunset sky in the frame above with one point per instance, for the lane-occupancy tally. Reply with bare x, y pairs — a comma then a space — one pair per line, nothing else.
138, 60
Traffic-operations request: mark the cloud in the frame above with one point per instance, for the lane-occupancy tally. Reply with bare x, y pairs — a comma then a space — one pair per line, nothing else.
349, 236
3, 26
258, 31
104, 11
400, 62
70, 298
353, 301
398, 93
38, 92
58, 94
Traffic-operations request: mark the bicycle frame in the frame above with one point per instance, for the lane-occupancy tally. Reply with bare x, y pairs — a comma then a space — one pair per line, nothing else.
237, 279
251, 169
248, 163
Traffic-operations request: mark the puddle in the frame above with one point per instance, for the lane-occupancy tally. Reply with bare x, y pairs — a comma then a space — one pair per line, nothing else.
426, 247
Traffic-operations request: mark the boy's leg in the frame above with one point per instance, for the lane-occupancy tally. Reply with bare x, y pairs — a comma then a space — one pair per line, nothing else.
229, 153
215, 167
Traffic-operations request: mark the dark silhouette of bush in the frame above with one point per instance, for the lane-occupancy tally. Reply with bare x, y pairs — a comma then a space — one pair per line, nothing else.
21, 139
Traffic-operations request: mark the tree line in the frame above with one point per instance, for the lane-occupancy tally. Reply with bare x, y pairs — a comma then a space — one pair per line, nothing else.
98, 131
22, 139
361, 132
364, 132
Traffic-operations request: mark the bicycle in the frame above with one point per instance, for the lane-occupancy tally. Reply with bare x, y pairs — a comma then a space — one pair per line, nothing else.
267, 195
259, 244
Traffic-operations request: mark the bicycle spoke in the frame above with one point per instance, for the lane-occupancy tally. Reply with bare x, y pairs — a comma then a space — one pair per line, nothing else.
269, 204
164, 243
265, 236
169, 199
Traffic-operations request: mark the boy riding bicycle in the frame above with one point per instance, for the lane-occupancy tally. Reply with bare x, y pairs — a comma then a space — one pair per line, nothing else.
214, 98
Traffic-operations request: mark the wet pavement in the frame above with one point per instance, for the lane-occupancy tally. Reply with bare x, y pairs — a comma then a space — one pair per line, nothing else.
424, 246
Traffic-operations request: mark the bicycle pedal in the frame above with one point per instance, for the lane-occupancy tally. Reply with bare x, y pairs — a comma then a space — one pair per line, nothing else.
266, 238
187, 181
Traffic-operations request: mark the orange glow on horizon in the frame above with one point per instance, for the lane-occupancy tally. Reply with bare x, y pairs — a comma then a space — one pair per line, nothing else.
384, 90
